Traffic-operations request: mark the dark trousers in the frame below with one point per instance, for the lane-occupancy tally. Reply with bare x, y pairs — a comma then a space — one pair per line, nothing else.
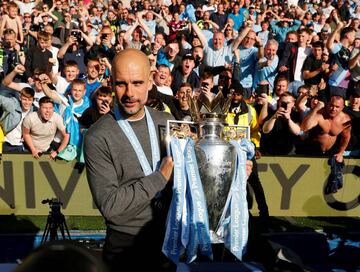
255, 183
126, 252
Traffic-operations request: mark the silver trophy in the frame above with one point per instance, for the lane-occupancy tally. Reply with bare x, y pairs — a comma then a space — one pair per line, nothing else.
215, 155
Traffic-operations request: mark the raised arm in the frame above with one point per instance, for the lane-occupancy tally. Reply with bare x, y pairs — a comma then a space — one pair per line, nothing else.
334, 34
312, 119
199, 33
236, 42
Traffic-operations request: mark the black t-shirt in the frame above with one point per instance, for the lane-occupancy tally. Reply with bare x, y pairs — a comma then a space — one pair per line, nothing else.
311, 64
280, 141
89, 117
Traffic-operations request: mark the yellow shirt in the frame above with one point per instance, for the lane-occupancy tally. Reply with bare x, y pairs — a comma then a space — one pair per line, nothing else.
247, 119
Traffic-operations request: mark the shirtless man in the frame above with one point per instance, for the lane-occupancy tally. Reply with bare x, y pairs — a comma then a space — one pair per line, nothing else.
326, 123
12, 21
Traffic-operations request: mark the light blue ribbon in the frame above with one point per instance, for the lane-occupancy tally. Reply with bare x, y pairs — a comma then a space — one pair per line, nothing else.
187, 226
199, 237
233, 223
130, 134
172, 246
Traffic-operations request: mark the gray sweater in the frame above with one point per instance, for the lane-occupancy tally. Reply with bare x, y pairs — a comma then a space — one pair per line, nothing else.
120, 190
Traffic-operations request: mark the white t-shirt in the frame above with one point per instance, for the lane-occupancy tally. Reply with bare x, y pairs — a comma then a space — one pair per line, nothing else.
25, 7
301, 56
14, 137
165, 90
61, 85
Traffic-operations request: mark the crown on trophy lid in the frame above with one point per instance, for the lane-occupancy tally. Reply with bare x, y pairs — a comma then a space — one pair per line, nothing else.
204, 106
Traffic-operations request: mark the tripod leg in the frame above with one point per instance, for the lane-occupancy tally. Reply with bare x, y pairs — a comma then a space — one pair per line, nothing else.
46, 230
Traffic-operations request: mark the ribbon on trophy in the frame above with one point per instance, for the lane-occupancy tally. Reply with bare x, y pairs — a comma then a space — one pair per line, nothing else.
187, 227
233, 223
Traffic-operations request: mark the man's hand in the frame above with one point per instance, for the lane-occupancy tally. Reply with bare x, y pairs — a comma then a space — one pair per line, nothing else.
19, 69
339, 157
166, 167
53, 155
283, 68
36, 154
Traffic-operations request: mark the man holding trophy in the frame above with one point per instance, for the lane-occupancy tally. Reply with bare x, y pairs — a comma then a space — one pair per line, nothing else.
128, 177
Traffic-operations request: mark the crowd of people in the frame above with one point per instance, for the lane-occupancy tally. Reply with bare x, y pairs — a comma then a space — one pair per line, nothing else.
292, 69
73, 70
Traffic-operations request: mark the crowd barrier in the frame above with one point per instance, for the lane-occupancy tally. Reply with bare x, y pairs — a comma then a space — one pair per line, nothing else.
294, 186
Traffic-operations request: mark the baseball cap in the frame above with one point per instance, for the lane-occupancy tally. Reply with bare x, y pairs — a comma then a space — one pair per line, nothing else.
188, 56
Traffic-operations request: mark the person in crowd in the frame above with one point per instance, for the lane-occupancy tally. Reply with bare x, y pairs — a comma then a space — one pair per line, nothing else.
328, 129
104, 44
71, 72
185, 73
353, 110
39, 130
126, 185
315, 69
12, 53
70, 106
18, 86
293, 59
266, 67
216, 51
103, 105
340, 77
75, 48
241, 113
161, 75
38, 56
14, 110
219, 16
280, 131
92, 76
12, 20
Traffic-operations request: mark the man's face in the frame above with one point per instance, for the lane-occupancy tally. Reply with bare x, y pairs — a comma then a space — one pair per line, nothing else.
288, 100
43, 44
317, 52
71, 73
182, 95
12, 12
335, 106
292, 38
281, 87
46, 111
351, 36
132, 82
354, 102
159, 39
270, 51
161, 76
303, 37
218, 40
249, 40
225, 79
92, 69
103, 98
26, 102
187, 66
77, 92
10, 40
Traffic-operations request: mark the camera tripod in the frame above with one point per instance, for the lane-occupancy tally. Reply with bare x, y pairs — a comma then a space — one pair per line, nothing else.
55, 221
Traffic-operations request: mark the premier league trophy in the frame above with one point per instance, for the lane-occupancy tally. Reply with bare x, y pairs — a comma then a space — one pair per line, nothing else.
207, 174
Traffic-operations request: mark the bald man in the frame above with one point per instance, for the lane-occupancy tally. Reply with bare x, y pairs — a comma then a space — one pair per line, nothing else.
126, 174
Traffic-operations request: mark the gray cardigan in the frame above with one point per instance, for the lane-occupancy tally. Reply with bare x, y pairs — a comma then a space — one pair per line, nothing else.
120, 190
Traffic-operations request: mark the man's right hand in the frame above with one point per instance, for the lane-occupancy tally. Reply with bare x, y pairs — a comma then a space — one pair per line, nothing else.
166, 167
19, 69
